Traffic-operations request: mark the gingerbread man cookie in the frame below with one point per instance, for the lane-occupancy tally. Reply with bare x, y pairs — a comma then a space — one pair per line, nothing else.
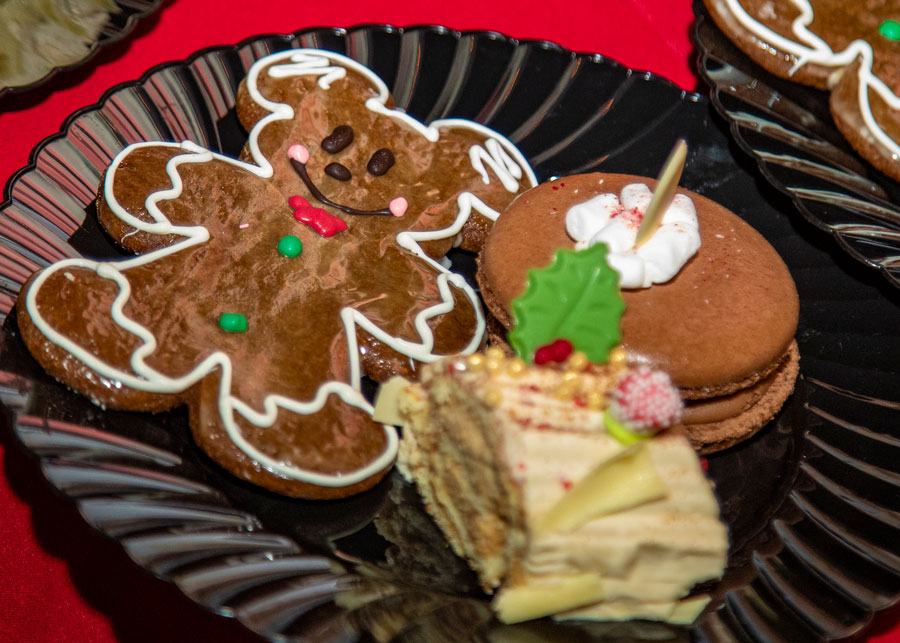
851, 50
266, 287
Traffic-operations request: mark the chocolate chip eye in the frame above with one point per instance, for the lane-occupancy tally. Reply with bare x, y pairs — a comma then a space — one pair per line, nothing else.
382, 160
340, 138
337, 171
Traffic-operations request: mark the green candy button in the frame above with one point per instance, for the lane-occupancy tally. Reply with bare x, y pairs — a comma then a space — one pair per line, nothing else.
290, 246
890, 29
233, 322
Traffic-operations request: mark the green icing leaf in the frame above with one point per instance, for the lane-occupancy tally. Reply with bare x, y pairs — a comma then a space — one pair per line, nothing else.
577, 298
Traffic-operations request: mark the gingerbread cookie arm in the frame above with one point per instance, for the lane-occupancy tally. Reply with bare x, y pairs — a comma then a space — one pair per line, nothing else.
455, 304
771, 43
503, 174
143, 203
80, 343
123, 208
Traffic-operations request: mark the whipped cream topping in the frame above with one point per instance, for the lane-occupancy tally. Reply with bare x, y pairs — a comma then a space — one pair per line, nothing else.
614, 220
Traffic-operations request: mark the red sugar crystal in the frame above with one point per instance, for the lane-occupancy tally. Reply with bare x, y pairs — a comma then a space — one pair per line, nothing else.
646, 400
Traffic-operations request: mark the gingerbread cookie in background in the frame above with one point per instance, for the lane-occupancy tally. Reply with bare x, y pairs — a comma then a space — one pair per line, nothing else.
851, 50
265, 288
707, 299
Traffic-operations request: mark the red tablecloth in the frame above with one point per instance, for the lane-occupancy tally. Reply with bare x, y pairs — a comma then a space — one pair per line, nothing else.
61, 581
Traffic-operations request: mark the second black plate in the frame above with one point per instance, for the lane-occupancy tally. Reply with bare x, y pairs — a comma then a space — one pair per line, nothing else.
788, 130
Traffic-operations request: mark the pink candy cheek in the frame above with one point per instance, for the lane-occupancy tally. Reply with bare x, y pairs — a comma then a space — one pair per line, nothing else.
398, 206
299, 153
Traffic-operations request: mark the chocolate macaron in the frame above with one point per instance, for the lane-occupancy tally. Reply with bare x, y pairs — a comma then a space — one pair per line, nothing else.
723, 327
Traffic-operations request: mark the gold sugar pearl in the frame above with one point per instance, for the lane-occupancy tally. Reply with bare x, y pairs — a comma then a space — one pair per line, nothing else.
565, 390
493, 398
618, 357
494, 362
515, 366
494, 353
577, 361
476, 361
570, 376
596, 400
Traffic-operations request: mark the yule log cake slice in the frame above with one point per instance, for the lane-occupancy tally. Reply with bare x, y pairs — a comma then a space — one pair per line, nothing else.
519, 468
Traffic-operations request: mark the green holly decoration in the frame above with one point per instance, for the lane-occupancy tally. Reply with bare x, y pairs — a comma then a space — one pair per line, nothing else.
577, 298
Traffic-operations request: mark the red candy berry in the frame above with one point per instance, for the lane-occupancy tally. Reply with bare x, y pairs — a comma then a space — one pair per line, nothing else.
645, 400
556, 351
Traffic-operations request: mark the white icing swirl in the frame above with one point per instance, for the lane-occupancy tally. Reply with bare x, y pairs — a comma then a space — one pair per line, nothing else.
504, 159
815, 50
607, 219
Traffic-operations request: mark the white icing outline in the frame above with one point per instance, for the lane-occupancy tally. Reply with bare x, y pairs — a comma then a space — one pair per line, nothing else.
820, 53
506, 161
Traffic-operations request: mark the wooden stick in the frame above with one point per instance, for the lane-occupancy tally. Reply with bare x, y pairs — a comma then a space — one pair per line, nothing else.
664, 193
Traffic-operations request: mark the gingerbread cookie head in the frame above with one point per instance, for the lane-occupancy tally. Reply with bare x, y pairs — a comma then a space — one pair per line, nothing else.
265, 288
851, 51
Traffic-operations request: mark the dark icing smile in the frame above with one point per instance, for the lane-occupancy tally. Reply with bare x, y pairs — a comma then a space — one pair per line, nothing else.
299, 156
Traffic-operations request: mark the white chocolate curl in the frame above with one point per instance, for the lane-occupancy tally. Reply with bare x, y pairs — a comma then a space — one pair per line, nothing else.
615, 221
